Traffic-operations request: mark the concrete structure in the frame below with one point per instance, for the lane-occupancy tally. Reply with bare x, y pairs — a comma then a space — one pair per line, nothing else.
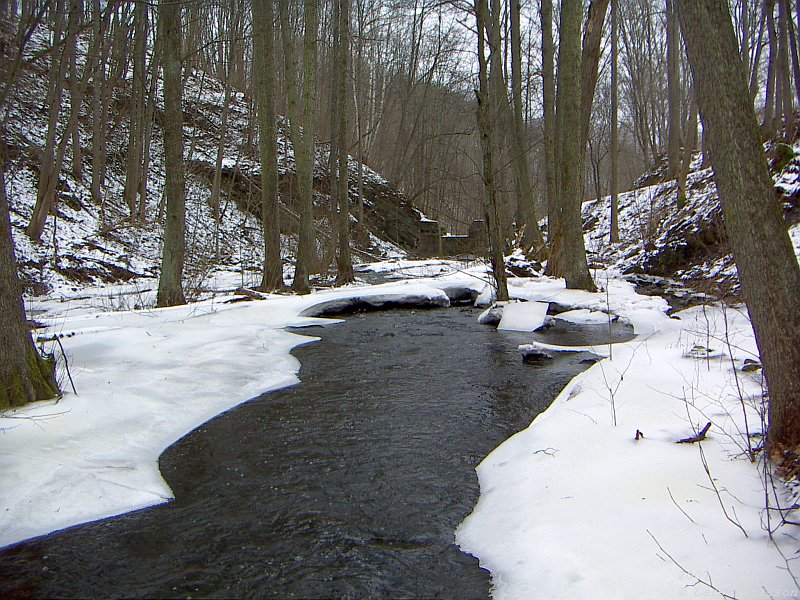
433, 243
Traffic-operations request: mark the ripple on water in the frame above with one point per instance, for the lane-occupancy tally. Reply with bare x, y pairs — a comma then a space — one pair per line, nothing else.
348, 485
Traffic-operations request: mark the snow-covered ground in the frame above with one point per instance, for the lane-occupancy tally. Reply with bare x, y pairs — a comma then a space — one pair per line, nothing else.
573, 506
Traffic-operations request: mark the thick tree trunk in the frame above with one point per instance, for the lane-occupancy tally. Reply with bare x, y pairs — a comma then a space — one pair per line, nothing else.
765, 259
264, 46
568, 247
170, 283
25, 376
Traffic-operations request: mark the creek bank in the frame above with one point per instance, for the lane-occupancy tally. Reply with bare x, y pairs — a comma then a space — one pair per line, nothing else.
350, 484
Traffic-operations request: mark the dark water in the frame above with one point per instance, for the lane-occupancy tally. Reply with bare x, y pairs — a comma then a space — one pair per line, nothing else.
348, 485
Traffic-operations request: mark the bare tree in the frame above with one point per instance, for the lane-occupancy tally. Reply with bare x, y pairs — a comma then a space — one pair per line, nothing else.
264, 57
614, 233
344, 261
302, 132
673, 91
765, 259
567, 251
170, 283
488, 115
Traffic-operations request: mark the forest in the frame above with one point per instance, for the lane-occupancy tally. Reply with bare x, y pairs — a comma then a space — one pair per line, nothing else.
292, 142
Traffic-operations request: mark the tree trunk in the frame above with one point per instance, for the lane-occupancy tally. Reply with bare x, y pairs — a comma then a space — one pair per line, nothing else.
570, 250
795, 51
302, 134
136, 124
673, 92
769, 124
216, 185
691, 139
170, 284
549, 113
784, 87
25, 376
486, 119
344, 261
45, 199
99, 126
614, 234
264, 58
765, 259
75, 95
589, 66
532, 239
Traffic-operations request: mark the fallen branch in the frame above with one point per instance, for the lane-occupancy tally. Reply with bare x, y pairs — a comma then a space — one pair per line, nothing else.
699, 437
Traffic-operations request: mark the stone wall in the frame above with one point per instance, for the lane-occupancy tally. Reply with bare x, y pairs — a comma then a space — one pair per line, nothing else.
433, 243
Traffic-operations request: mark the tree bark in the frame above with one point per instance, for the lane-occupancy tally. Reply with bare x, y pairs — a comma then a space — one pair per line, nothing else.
344, 260
673, 92
568, 248
45, 199
769, 125
549, 114
532, 239
25, 376
614, 233
784, 86
136, 124
765, 259
793, 33
691, 140
302, 133
75, 95
170, 283
486, 118
264, 46
590, 63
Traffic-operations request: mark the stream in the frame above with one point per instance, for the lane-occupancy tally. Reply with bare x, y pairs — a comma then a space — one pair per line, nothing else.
350, 484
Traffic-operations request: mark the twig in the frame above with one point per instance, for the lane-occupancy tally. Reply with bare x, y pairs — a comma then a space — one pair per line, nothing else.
679, 508
716, 490
708, 584
66, 365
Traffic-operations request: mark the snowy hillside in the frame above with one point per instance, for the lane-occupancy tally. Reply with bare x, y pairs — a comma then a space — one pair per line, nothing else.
688, 244
86, 244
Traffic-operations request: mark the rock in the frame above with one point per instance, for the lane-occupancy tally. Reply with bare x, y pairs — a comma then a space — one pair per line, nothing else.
750, 365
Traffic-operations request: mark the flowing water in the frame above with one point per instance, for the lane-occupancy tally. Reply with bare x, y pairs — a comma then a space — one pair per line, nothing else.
350, 484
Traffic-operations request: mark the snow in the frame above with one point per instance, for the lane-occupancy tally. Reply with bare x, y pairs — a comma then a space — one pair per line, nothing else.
584, 316
144, 379
523, 316
573, 506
